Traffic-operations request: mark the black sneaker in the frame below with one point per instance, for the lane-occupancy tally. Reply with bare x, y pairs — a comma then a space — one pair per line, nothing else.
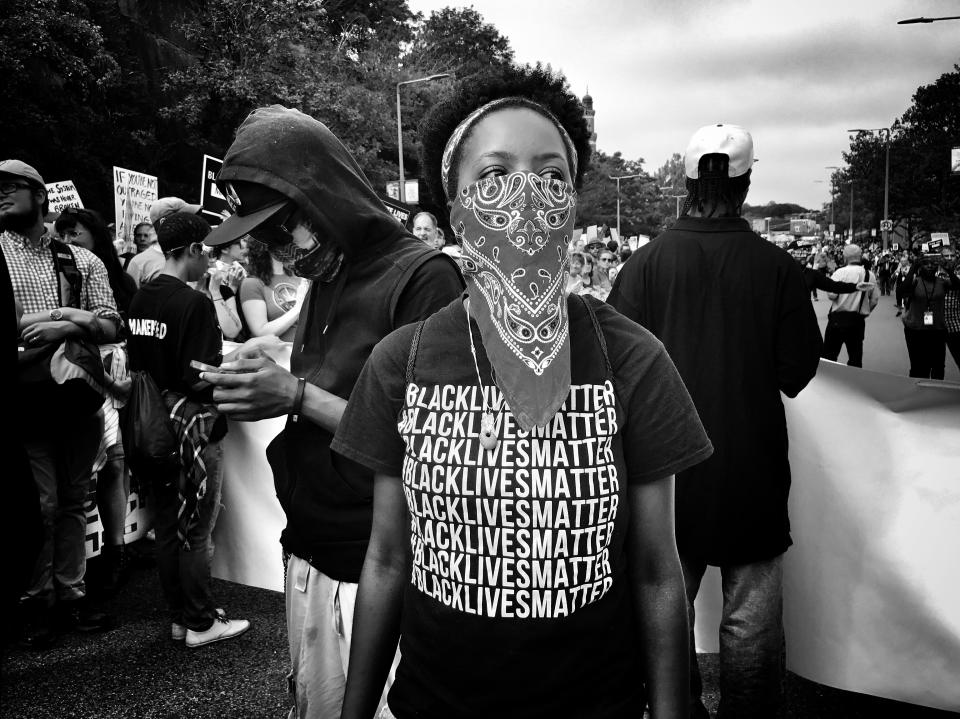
80, 615
38, 630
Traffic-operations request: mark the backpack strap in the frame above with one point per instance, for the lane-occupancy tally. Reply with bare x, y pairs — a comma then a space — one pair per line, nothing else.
414, 346
70, 281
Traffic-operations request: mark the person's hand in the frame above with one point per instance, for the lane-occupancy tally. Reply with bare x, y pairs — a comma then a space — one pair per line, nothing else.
41, 333
864, 286
268, 346
235, 275
253, 388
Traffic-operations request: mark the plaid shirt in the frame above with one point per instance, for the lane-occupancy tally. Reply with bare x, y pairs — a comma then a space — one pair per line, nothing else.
35, 280
951, 310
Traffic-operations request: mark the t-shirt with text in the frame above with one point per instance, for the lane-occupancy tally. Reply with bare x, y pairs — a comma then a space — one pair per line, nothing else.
518, 603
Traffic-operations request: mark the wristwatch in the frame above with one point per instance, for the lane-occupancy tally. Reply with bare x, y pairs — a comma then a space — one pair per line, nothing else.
56, 314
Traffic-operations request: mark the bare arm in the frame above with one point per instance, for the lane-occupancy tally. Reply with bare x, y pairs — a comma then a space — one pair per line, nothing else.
659, 599
257, 387
376, 620
75, 323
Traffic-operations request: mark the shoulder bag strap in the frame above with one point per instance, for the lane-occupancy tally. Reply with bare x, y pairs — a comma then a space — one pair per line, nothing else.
69, 281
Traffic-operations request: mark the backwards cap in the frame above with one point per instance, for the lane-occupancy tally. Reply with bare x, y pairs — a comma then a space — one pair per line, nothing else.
730, 140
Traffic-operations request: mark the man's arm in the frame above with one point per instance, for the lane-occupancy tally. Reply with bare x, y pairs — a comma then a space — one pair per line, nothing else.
798, 338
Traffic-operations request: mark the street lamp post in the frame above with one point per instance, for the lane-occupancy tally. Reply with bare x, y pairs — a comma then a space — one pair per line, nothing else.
676, 197
833, 194
884, 133
851, 210
403, 193
618, 178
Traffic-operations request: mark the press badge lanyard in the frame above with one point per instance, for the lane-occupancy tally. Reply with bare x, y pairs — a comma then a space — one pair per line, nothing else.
928, 313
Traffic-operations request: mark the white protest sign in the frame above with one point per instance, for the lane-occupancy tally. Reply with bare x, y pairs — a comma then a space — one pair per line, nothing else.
133, 193
62, 195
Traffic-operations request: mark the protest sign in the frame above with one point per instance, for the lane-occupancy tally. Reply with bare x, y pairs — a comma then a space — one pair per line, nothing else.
398, 210
62, 195
133, 193
213, 203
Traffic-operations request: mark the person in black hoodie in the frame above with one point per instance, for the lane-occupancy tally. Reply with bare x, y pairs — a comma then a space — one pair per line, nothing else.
293, 186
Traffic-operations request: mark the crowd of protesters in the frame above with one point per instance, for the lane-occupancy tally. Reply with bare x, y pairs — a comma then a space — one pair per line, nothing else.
389, 319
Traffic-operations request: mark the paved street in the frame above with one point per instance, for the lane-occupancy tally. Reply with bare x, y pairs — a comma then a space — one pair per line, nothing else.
884, 349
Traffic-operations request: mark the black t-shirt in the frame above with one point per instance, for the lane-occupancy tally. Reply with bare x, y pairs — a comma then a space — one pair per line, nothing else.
171, 324
518, 603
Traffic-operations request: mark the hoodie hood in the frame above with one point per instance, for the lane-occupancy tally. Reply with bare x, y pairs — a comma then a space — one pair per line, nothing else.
294, 154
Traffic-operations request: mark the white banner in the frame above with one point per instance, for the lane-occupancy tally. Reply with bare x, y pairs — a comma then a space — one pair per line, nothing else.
872, 583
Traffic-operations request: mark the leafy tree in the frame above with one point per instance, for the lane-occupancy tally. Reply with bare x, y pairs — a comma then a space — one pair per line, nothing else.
458, 41
60, 86
597, 198
294, 53
671, 181
923, 195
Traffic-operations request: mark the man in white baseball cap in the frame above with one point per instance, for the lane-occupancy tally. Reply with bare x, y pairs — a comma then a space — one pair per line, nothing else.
735, 316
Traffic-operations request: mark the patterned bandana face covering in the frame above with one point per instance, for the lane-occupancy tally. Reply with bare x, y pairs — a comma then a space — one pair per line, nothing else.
514, 230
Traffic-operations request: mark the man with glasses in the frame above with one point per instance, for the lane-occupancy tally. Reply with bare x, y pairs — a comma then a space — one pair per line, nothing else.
60, 457
293, 186
172, 324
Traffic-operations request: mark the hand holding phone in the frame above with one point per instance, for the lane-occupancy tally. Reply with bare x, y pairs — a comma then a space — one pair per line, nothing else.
203, 366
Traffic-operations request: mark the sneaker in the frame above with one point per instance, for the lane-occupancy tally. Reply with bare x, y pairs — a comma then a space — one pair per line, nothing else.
38, 628
222, 628
81, 615
178, 632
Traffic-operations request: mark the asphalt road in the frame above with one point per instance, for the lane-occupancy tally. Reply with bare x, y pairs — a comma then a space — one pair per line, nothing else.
884, 349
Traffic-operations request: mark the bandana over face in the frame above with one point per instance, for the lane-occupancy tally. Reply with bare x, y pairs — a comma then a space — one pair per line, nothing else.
514, 230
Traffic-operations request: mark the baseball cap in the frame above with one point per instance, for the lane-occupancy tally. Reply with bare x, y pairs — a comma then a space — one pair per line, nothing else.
720, 139
167, 206
252, 205
18, 168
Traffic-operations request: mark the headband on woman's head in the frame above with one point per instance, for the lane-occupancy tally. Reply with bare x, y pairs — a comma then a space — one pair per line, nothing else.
456, 139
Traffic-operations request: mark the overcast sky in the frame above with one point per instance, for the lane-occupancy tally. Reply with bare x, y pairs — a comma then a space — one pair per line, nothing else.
796, 74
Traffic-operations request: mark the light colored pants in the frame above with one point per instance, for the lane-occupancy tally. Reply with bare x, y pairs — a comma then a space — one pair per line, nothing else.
319, 629
752, 659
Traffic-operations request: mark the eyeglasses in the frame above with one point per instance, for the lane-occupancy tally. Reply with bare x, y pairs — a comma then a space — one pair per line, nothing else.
8, 188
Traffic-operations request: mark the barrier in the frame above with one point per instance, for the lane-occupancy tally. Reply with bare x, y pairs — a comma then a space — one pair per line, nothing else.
872, 583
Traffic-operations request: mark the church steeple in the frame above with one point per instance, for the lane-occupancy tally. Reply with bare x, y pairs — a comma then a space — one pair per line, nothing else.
588, 115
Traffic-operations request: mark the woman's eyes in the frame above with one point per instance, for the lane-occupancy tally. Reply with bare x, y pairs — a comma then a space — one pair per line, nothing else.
548, 173
552, 173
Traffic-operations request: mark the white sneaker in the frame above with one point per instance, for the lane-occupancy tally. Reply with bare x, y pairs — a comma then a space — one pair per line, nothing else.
178, 632
222, 628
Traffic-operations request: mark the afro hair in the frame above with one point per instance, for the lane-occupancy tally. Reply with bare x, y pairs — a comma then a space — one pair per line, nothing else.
537, 83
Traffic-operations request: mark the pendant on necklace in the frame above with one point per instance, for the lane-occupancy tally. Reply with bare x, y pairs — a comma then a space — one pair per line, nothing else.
488, 438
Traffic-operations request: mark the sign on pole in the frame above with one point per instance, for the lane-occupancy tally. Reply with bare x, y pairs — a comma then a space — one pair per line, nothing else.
63, 195
133, 193
955, 160
886, 225
411, 191
212, 201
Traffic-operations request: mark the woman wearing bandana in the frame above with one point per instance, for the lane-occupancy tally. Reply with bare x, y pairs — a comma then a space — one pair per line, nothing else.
524, 444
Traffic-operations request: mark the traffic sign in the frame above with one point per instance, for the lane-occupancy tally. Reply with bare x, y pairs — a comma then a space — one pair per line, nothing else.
886, 225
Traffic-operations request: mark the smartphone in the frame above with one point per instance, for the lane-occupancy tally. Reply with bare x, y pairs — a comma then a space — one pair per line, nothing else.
203, 366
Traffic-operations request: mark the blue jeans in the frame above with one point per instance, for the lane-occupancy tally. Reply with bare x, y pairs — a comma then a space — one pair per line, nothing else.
185, 574
752, 662
62, 464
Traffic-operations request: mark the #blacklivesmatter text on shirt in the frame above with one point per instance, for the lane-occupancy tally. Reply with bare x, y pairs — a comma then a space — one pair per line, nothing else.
519, 531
